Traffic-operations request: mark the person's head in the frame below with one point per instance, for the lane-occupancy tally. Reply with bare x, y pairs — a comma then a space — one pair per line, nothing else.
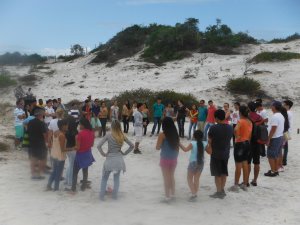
55, 102
288, 104
180, 102
158, 100
134, 104
169, 105
236, 106
41, 102
20, 103
116, 132
115, 103
170, 132
59, 113
96, 101
259, 106
145, 105
140, 106
202, 102
219, 115
252, 106
59, 100
86, 102
194, 107
198, 136
226, 106
244, 111
210, 103
103, 104
85, 124
33, 102
62, 125
259, 100
276, 106
29, 89
39, 113
89, 98
49, 103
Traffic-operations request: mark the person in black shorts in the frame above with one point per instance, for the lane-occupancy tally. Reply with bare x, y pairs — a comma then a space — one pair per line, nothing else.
37, 134
219, 137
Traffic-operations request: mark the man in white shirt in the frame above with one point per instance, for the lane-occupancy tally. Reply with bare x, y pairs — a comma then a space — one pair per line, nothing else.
49, 112
138, 127
114, 111
288, 104
19, 115
275, 139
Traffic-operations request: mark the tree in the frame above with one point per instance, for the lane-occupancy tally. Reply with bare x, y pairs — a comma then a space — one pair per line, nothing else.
77, 50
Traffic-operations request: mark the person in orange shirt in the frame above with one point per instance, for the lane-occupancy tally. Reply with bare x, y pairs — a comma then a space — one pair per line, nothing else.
210, 120
193, 115
242, 132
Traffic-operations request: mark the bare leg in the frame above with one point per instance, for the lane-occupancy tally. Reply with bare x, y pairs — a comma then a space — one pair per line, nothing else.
172, 181
238, 168
256, 172
166, 185
273, 166
196, 182
219, 184
245, 173
190, 182
223, 182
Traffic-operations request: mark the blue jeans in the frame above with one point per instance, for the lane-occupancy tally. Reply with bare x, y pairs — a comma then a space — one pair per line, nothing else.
192, 125
58, 167
157, 121
69, 171
206, 128
104, 180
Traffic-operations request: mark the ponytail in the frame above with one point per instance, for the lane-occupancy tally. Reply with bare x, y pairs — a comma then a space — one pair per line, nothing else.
198, 135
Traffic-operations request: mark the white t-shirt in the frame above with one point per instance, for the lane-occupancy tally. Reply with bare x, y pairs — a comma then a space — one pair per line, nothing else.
235, 117
49, 111
114, 112
290, 116
53, 125
263, 114
277, 120
18, 112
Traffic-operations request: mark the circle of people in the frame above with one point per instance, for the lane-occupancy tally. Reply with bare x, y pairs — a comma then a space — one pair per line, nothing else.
70, 134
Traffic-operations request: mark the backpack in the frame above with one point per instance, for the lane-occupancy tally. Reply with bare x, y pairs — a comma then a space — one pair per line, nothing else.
259, 134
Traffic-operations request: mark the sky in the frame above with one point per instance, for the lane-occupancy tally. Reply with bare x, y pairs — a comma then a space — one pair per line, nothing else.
51, 27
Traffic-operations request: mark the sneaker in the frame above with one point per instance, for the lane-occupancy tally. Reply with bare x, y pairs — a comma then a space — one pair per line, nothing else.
244, 187
223, 192
151, 135
234, 188
281, 169
166, 200
137, 151
219, 195
48, 188
37, 177
193, 198
276, 173
271, 174
253, 183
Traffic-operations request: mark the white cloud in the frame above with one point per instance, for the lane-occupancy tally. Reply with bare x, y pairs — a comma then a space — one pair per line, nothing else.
147, 2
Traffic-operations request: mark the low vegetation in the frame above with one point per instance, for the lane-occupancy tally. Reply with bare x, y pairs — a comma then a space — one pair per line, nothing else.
274, 57
17, 58
6, 80
243, 85
161, 43
293, 37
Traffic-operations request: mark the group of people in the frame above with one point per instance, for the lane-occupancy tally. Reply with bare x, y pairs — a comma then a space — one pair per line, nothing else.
70, 135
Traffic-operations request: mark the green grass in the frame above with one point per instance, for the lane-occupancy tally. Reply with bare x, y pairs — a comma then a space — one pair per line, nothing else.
274, 57
6, 80
243, 85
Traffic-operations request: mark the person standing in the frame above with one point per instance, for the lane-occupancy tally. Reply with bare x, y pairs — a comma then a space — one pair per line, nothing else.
275, 139
37, 135
193, 115
95, 122
219, 137
19, 115
210, 120
103, 119
126, 116
158, 109
263, 113
87, 110
202, 115
169, 111
74, 112
235, 117
242, 132
138, 127
288, 104
180, 117
227, 112
168, 143
114, 162
114, 111
60, 104
146, 115
49, 112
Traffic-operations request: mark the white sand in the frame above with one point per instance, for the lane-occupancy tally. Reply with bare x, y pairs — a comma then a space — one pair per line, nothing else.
274, 201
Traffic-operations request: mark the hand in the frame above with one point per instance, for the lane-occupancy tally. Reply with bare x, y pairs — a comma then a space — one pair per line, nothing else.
268, 142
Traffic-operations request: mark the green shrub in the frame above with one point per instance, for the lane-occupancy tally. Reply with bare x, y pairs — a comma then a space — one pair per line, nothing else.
293, 37
243, 85
16, 58
149, 97
6, 80
274, 57
28, 79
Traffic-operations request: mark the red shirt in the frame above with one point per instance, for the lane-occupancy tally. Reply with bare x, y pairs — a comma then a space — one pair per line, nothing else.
211, 114
86, 139
254, 117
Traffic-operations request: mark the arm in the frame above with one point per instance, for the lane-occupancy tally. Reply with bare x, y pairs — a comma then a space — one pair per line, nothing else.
62, 143
130, 148
187, 148
77, 146
208, 148
101, 143
160, 140
272, 132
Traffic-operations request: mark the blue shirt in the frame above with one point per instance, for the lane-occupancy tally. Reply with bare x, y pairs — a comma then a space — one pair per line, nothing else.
194, 152
167, 152
96, 110
158, 110
202, 114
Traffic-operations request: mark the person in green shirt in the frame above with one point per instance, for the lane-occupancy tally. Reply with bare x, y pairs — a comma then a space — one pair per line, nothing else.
202, 114
158, 109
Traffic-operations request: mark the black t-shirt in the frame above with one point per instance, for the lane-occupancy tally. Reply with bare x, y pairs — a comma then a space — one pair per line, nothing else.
221, 135
36, 131
181, 111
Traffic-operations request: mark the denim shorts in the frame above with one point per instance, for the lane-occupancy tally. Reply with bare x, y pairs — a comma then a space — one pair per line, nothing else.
274, 148
194, 167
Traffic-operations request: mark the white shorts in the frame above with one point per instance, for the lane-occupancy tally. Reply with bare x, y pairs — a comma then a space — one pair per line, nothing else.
138, 133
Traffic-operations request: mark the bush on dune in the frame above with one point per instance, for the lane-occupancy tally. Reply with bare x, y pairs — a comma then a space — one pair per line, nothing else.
243, 85
6, 80
274, 57
293, 37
